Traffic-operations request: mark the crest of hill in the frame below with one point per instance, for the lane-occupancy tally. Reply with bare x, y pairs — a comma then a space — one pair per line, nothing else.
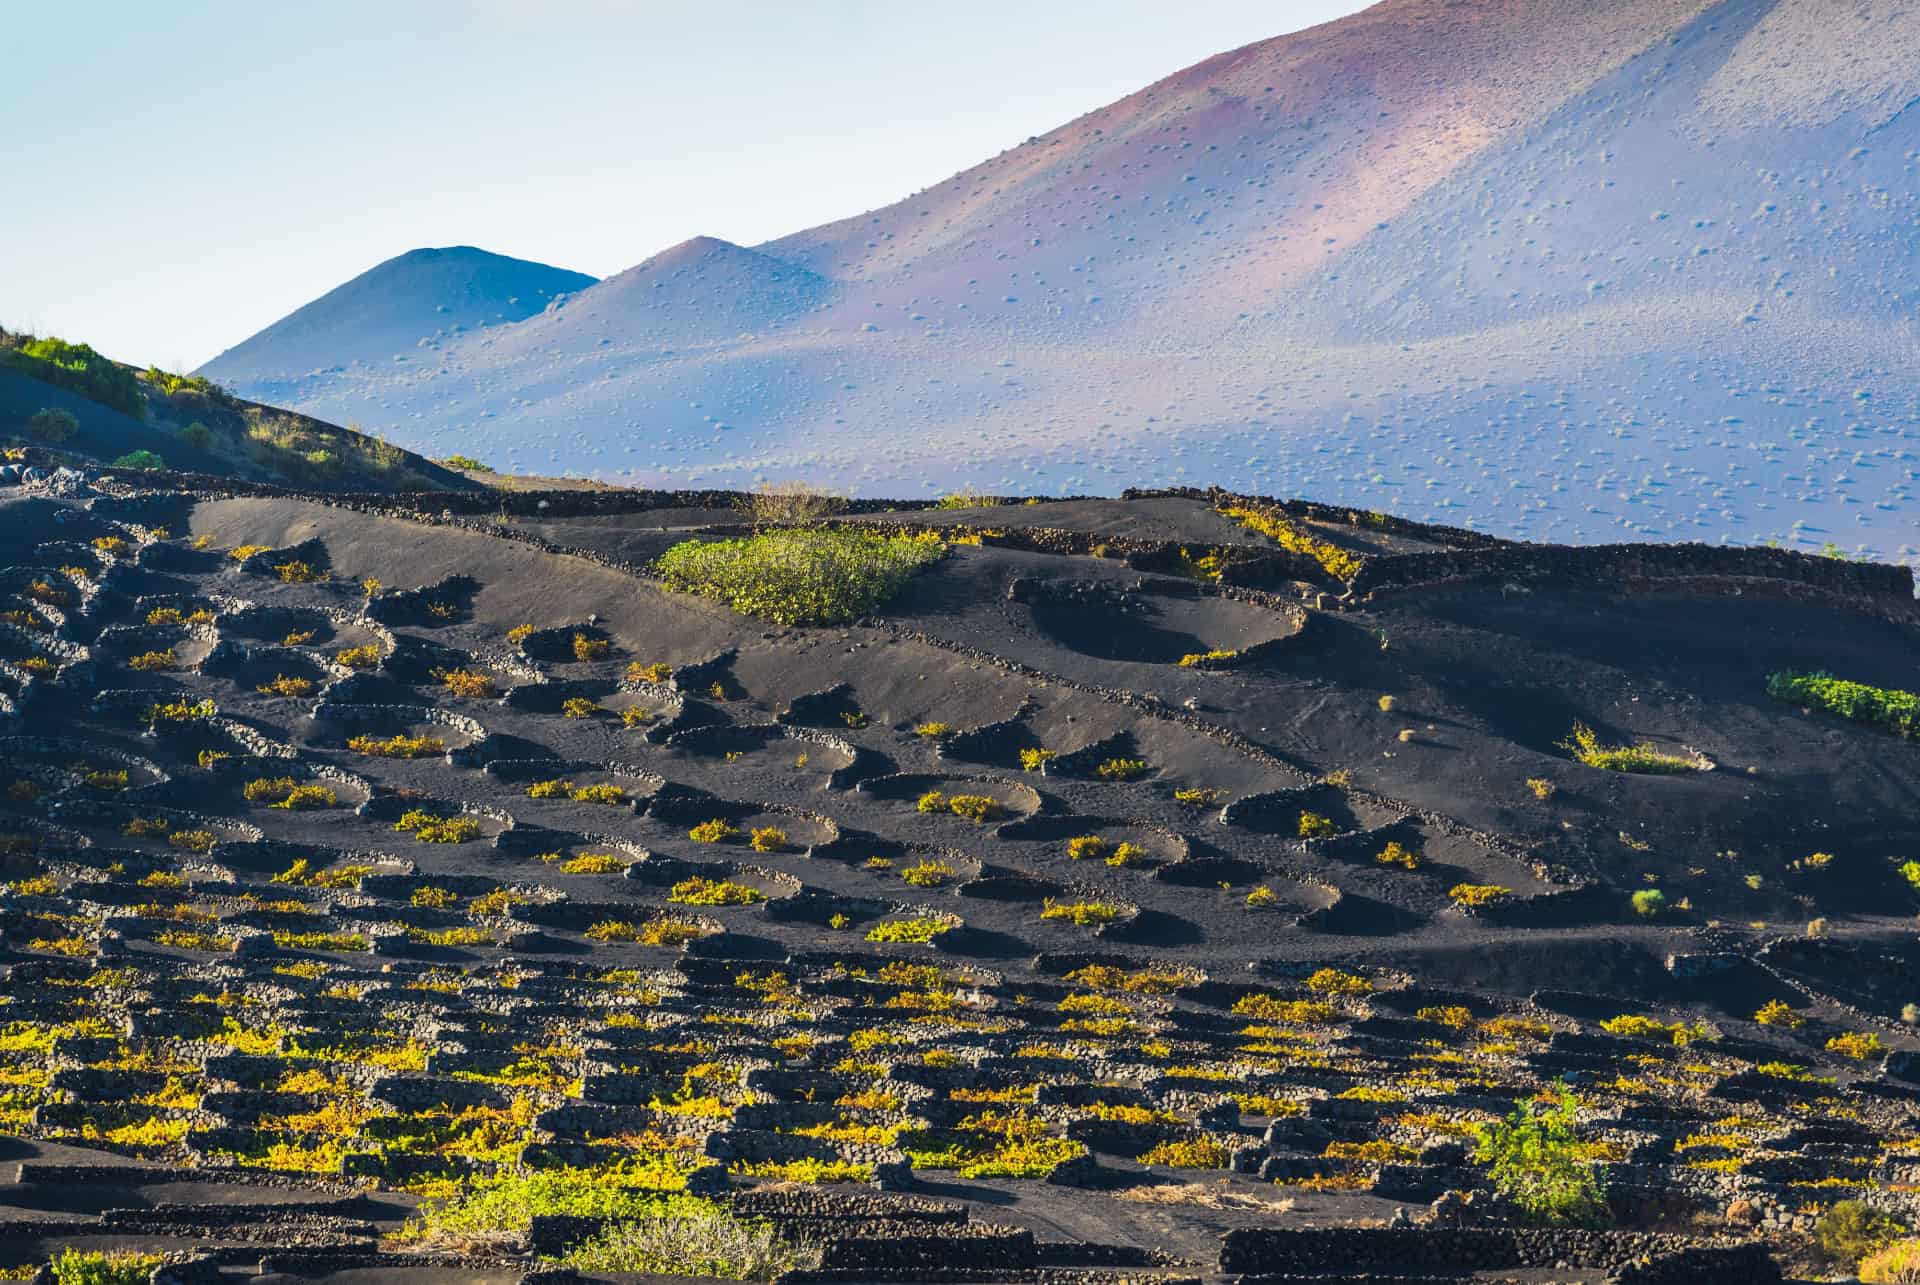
388, 311
702, 291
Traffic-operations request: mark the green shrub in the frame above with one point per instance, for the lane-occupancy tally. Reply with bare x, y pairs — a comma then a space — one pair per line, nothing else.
800, 577
507, 1204
466, 462
197, 435
1897, 711
1649, 902
684, 1236
1536, 1161
141, 459
78, 369
1851, 1230
52, 426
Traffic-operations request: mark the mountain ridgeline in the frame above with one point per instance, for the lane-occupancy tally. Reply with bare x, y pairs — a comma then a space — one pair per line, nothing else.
1548, 269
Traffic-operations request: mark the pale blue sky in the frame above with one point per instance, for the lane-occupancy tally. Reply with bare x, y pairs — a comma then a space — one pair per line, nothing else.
180, 174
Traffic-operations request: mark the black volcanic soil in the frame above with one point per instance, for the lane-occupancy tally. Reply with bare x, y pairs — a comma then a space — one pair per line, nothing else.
1282, 779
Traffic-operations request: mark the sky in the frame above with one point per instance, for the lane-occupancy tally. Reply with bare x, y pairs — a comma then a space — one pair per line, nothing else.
180, 175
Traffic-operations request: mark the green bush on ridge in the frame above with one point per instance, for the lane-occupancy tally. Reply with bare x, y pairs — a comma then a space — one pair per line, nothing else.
800, 577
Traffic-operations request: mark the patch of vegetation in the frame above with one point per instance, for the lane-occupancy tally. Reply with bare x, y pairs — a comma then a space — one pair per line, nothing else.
1536, 1160
142, 459
1649, 903
76, 368
700, 891
1119, 769
103, 1267
428, 827
800, 576
1897, 711
683, 1236
715, 831
1646, 760
1294, 538
915, 932
1475, 896
398, 746
1081, 914
1851, 1230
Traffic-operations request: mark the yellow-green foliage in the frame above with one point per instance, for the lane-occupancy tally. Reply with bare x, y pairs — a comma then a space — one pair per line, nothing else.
578, 707
1314, 826
470, 683
321, 941
1188, 1153
297, 572
816, 576
426, 827
919, 931
289, 794
934, 731
397, 746
698, 891
153, 662
587, 649
1858, 1045
1778, 1013
1473, 896
1331, 981
1031, 760
1082, 914
1294, 538
768, 839
593, 863
715, 831
1398, 854
1086, 847
1118, 769
103, 1267
1585, 747
1635, 1026
357, 658
662, 930
928, 874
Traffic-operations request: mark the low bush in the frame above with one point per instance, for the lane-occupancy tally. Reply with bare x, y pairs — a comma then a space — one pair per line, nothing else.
1643, 760
700, 891
1537, 1161
1648, 903
1474, 896
143, 460
78, 369
103, 1267
800, 576
715, 831
1397, 854
1118, 769
917, 932
1852, 1230
52, 426
1897, 711
1082, 914
397, 746
683, 1236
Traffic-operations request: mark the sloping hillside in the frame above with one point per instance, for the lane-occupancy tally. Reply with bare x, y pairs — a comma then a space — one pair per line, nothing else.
1551, 269
64, 403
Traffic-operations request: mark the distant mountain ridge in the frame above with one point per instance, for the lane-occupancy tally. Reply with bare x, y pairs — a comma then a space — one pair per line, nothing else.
380, 317
1554, 269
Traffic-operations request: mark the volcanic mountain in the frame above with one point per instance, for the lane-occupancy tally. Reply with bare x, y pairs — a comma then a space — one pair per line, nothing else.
1540, 267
